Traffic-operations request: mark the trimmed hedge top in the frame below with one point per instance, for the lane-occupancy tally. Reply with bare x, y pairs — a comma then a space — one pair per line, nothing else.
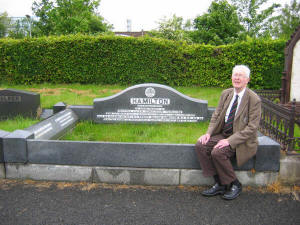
126, 60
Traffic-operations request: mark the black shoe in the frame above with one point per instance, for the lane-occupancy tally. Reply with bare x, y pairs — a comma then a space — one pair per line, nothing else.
215, 190
233, 192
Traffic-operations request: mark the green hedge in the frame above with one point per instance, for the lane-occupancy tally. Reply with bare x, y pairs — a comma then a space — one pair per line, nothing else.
125, 60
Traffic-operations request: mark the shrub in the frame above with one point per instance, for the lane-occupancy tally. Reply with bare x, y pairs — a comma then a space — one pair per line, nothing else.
127, 60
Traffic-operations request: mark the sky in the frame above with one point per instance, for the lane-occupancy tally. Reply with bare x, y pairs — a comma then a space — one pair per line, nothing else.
143, 14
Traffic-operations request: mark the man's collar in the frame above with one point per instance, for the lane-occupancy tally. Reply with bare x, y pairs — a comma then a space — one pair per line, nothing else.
240, 94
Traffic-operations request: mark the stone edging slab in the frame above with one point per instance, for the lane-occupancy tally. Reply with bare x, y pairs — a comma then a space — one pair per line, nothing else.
126, 175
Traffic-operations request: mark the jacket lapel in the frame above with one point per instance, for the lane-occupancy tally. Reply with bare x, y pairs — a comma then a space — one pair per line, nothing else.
226, 104
243, 103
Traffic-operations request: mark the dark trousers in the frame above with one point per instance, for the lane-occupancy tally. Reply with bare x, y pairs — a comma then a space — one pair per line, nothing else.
216, 161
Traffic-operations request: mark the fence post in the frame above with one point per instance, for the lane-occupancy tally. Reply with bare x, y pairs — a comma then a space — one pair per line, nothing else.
291, 126
283, 88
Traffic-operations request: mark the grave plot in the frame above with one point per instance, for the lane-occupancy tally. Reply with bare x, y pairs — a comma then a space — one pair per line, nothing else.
144, 103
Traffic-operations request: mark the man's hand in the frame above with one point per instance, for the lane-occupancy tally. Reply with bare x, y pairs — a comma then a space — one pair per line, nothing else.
222, 143
204, 139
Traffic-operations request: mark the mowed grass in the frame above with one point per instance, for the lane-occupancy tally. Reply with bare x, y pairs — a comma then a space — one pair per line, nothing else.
79, 94
175, 133
18, 122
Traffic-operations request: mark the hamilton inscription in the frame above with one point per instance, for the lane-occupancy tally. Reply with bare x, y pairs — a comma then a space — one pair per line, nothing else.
149, 103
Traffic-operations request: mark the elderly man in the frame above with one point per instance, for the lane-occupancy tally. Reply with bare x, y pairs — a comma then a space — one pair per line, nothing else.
232, 132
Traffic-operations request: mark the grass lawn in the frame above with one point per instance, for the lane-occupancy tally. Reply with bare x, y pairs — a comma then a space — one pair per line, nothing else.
79, 94
17, 123
175, 133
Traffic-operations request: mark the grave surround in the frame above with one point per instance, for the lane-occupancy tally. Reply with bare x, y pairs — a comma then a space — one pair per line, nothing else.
34, 147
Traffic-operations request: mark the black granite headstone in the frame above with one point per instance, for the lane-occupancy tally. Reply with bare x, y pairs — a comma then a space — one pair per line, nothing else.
149, 103
17, 102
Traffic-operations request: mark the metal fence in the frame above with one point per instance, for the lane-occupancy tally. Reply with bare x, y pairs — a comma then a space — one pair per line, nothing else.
279, 121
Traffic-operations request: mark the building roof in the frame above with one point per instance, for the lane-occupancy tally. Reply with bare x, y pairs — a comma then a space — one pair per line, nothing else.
131, 34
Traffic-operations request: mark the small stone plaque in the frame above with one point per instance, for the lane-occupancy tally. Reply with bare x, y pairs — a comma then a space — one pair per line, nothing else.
16, 102
148, 103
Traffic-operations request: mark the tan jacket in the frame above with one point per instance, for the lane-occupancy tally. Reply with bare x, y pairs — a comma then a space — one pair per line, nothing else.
245, 125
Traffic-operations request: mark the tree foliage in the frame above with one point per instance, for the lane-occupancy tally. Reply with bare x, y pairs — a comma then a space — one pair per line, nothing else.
220, 25
285, 25
62, 17
173, 28
4, 24
254, 19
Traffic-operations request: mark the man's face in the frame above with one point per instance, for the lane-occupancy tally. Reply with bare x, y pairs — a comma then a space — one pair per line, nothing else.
239, 80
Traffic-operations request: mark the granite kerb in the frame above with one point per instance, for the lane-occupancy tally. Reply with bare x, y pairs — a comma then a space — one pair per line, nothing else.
139, 155
144, 160
24, 146
25, 149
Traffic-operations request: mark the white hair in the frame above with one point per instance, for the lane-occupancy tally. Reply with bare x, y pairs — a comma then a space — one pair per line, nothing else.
242, 68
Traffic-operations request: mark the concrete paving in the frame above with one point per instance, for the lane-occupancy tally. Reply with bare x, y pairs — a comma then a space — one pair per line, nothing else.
36, 202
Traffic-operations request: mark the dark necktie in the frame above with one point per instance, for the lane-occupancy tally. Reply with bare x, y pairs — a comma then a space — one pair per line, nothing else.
228, 127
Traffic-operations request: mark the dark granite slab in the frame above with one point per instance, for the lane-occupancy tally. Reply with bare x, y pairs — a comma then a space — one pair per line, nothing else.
148, 103
112, 154
143, 155
84, 112
268, 155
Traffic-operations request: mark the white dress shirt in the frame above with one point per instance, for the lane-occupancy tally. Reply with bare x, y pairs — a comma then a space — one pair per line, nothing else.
241, 94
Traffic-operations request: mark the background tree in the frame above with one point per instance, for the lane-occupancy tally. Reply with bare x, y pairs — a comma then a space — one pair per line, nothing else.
286, 23
255, 20
21, 29
220, 25
68, 17
173, 28
4, 24
44, 11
